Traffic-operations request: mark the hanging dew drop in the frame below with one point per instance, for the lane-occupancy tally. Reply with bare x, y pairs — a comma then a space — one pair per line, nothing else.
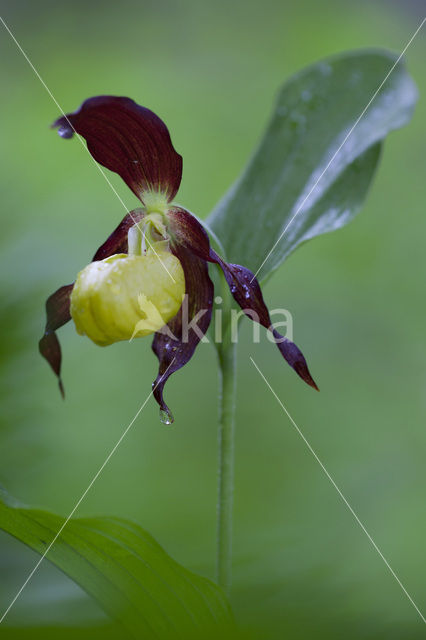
166, 417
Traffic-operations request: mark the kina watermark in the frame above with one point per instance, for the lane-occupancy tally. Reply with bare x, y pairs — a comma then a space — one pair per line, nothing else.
280, 329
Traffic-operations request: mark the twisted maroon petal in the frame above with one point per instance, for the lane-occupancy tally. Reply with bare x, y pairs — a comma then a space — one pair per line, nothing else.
58, 314
128, 139
175, 344
243, 285
247, 293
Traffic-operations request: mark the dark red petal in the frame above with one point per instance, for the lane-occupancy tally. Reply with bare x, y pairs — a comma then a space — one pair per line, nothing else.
128, 139
58, 314
187, 232
117, 241
242, 283
247, 293
58, 304
174, 349
51, 350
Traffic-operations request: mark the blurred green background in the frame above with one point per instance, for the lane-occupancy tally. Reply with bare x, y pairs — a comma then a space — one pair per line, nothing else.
303, 568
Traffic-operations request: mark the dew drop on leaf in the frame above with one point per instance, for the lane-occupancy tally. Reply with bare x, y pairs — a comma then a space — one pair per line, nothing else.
325, 69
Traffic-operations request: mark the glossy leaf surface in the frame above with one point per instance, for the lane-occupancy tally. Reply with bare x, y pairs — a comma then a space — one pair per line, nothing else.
125, 570
311, 173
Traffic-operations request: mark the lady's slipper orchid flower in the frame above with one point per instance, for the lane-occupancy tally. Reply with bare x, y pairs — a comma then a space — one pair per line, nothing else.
155, 258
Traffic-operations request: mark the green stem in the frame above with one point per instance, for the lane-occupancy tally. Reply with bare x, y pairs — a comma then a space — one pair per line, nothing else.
227, 381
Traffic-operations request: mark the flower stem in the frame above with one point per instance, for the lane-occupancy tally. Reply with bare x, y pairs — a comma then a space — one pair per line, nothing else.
227, 381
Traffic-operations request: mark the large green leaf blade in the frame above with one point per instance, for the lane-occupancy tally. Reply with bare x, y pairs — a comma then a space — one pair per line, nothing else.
293, 188
126, 571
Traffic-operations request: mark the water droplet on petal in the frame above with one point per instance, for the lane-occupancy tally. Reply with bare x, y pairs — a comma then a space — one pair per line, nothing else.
65, 131
166, 416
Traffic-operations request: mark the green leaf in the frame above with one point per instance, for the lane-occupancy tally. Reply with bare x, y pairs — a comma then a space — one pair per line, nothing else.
125, 570
289, 192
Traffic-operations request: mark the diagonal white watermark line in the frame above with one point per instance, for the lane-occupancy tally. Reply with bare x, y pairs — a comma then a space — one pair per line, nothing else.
339, 492
84, 494
98, 166
300, 207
